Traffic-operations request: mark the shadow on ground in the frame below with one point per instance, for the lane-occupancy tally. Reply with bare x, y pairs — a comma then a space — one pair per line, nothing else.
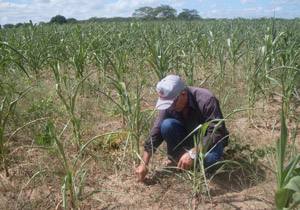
240, 170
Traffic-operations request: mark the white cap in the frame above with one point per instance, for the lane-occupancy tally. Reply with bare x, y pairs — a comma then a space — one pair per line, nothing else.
168, 89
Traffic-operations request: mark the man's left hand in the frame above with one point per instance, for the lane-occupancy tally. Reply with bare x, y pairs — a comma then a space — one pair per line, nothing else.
185, 161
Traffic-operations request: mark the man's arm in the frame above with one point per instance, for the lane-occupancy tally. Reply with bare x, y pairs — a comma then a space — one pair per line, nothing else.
155, 138
150, 147
142, 170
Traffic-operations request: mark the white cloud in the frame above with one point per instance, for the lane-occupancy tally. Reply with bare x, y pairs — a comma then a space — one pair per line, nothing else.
43, 10
252, 10
41, 1
8, 5
247, 1
127, 7
123, 7
277, 9
272, 10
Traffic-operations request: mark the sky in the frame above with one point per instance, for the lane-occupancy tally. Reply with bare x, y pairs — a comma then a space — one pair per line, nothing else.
20, 11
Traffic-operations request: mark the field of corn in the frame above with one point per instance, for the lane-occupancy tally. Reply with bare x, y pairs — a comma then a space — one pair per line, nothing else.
77, 102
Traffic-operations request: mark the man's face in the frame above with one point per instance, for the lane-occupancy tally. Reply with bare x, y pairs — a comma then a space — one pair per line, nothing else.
181, 102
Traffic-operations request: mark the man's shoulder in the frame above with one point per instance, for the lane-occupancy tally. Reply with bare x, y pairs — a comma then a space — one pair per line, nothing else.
200, 93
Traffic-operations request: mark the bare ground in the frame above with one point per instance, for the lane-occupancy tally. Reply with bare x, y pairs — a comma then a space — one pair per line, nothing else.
36, 175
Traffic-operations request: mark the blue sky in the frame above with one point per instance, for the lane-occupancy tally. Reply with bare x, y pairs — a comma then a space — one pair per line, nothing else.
15, 11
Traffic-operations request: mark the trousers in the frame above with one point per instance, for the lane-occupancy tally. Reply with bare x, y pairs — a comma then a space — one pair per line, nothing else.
173, 132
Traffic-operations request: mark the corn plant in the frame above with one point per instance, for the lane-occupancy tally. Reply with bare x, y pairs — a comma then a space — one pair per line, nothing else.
134, 118
80, 49
188, 62
14, 56
234, 48
269, 54
7, 108
35, 48
207, 47
222, 59
30, 52
161, 55
255, 79
128, 105
197, 174
287, 194
200, 183
289, 72
288, 176
67, 94
74, 170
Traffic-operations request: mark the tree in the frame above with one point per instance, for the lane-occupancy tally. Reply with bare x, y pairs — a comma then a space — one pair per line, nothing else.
188, 14
71, 20
165, 11
58, 19
19, 25
144, 12
93, 19
8, 26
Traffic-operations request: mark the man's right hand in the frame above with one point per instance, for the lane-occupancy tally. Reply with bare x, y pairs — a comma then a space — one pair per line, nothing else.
141, 172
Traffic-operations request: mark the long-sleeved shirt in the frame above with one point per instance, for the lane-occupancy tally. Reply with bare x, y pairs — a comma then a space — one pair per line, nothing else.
202, 107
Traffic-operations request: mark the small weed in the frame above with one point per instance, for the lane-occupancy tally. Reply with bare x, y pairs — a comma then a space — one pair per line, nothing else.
44, 138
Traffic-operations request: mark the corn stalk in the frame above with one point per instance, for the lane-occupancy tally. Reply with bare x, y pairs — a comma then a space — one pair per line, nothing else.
68, 94
6, 110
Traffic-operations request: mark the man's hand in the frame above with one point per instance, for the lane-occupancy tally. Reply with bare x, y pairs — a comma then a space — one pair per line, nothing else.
185, 161
141, 172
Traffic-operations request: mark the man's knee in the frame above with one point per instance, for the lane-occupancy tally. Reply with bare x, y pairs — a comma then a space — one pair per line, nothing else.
168, 126
215, 155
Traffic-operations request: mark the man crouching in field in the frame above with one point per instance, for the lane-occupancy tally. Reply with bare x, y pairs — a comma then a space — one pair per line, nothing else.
181, 110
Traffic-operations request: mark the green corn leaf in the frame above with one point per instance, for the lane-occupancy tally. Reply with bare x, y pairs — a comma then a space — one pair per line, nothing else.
296, 200
281, 146
294, 184
290, 170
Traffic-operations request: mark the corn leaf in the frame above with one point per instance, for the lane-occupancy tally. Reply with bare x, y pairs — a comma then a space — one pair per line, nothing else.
296, 200
294, 184
281, 146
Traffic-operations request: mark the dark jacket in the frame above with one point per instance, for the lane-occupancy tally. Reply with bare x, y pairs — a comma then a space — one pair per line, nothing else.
203, 107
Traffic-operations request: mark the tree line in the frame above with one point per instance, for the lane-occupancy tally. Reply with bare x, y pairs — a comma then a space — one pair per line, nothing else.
165, 12
161, 12
145, 13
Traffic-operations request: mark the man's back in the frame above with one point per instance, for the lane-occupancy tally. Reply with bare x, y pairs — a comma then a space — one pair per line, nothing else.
202, 107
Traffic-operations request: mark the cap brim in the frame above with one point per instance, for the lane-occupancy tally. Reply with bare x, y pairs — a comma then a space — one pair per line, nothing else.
163, 104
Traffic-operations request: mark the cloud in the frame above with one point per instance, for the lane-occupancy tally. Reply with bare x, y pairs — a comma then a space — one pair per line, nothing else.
252, 10
41, 1
43, 10
8, 5
125, 8
247, 1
